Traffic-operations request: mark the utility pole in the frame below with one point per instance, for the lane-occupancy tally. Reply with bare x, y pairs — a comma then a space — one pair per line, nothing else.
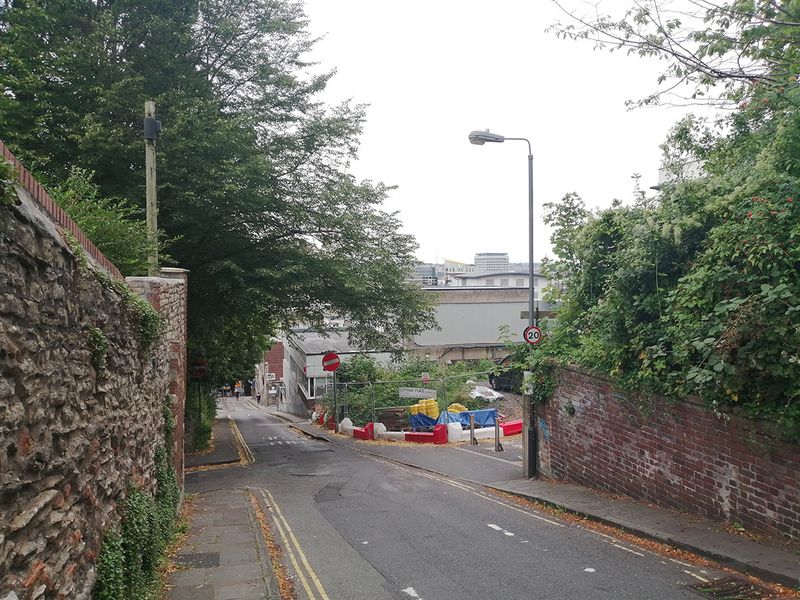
151, 129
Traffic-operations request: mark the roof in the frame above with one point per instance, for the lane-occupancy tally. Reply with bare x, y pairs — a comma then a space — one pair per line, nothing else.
313, 342
493, 274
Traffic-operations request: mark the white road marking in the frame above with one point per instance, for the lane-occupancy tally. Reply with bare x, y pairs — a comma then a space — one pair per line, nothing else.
365, 542
628, 550
589, 570
508, 533
510, 462
495, 527
411, 592
703, 579
524, 542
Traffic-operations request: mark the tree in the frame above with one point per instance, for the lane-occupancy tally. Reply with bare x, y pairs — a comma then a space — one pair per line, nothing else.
736, 45
253, 182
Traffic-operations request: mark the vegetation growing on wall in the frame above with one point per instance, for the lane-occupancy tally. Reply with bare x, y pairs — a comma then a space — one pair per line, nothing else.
129, 559
98, 346
116, 226
254, 183
7, 181
696, 289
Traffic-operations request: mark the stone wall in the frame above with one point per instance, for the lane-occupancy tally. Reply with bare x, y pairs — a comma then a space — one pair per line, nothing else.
675, 454
73, 435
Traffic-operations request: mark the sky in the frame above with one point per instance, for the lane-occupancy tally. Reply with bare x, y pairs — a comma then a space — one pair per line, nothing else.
431, 71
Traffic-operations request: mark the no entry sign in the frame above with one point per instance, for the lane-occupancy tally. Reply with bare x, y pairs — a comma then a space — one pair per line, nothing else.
330, 362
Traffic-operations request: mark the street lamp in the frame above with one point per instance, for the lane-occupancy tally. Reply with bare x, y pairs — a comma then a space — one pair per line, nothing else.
479, 138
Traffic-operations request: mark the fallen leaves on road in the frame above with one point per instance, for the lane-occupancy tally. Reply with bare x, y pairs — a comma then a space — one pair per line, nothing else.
285, 583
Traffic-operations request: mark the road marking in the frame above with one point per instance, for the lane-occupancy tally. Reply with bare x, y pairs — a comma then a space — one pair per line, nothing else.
495, 527
510, 462
703, 579
589, 570
411, 592
508, 533
472, 491
627, 550
302, 555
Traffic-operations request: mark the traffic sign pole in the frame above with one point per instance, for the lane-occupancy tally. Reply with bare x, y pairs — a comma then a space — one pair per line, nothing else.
335, 406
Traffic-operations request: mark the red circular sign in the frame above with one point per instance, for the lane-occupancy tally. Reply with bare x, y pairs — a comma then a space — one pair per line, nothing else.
330, 362
532, 334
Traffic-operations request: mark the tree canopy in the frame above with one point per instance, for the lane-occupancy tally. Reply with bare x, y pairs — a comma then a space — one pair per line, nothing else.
253, 182
696, 291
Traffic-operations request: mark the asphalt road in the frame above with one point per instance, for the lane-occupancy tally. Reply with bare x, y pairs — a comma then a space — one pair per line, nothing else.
359, 527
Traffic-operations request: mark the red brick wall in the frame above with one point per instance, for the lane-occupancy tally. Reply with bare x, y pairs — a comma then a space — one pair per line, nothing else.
679, 455
274, 358
41, 196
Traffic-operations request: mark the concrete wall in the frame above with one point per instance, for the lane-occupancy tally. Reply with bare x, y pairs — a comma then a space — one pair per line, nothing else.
679, 455
73, 435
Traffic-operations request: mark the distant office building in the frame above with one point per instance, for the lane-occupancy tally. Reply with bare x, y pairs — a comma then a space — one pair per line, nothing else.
488, 262
426, 274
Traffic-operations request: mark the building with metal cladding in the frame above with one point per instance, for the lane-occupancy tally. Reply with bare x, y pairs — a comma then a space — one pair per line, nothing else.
475, 323
472, 321
487, 262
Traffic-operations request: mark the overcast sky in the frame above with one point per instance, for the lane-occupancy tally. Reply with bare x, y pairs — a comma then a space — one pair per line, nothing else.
432, 71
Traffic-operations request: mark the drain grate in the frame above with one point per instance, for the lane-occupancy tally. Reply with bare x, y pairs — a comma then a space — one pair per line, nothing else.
199, 560
730, 588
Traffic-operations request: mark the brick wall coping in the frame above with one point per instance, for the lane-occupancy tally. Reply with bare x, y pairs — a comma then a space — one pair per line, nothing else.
59, 215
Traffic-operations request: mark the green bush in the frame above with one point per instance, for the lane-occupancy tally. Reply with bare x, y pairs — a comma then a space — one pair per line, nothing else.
129, 559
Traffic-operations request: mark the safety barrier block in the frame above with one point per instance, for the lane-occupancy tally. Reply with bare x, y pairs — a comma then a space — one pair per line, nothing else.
512, 427
438, 436
364, 433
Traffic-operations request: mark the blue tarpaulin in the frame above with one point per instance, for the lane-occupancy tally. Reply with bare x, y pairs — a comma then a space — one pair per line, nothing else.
483, 418
421, 422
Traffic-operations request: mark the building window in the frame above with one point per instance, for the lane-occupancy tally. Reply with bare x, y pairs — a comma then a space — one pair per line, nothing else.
490, 282
311, 389
504, 283
520, 282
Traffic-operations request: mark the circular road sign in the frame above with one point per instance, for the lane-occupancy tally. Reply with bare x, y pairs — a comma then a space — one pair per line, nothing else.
330, 362
532, 334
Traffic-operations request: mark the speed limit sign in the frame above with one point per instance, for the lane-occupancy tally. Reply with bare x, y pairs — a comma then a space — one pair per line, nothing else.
532, 334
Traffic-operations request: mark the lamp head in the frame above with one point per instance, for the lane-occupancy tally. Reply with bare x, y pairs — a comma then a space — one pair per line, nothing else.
479, 138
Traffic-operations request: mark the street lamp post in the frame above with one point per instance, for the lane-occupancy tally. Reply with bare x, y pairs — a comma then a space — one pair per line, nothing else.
530, 435
480, 138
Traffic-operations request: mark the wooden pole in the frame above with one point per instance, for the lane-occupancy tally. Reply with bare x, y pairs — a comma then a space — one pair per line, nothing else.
150, 187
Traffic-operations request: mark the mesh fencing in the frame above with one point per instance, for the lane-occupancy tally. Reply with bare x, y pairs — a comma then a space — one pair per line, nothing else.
389, 401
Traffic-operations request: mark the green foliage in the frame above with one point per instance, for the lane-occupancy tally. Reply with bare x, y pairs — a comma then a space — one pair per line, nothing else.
115, 226
110, 569
149, 324
129, 560
7, 180
98, 346
254, 182
361, 381
200, 412
697, 291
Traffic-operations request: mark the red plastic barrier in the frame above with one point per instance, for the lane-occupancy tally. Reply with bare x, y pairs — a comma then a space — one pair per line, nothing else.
439, 436
364, 433
422, 438
512, 427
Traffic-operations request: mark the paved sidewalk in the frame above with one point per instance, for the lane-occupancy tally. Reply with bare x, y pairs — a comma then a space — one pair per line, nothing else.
225, 555
223, 451
688, 532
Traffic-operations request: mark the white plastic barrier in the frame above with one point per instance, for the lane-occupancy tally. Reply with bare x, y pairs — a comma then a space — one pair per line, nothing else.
454, 432
481, 433
346, 427
382, 434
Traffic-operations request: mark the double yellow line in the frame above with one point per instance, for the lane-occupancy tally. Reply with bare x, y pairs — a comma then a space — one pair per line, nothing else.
295, 552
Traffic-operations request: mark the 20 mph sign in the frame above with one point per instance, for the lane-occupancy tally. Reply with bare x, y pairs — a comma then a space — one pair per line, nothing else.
532, 334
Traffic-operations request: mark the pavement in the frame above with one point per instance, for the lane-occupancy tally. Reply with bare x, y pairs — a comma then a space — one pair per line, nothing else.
223, 449
225, 555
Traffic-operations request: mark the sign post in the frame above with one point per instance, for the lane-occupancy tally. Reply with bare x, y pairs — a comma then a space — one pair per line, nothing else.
331, 362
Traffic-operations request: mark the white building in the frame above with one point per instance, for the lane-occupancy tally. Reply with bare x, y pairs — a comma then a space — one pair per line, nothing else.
304, 378
488, 262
